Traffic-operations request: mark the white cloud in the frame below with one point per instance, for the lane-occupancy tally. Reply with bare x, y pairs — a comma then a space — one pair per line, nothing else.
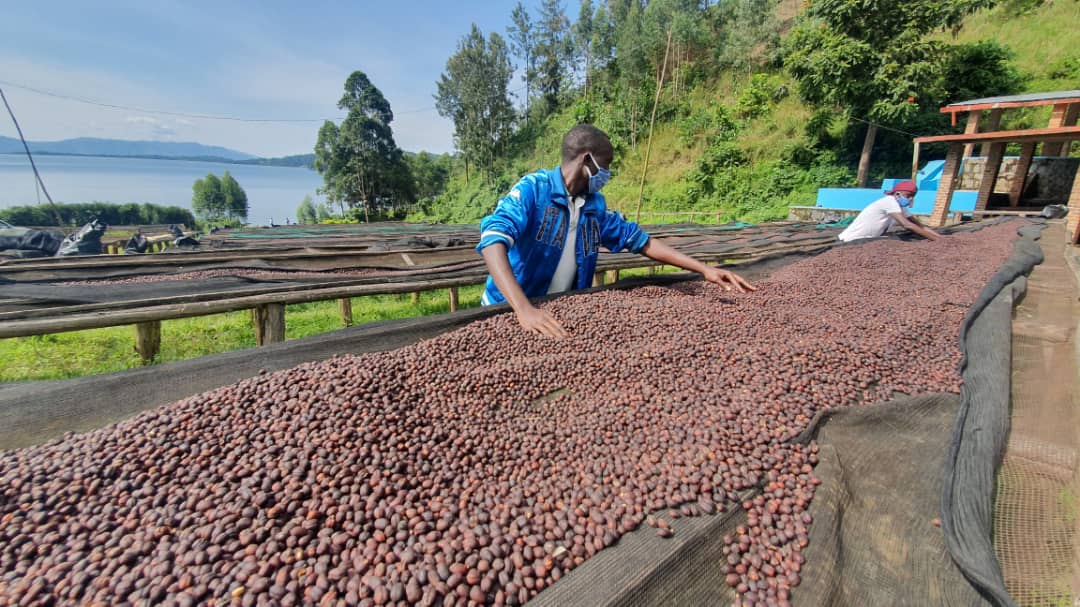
155, 128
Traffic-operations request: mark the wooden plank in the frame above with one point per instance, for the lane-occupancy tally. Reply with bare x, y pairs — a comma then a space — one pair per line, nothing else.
915, 162
65, 321
148, 339
968, 107
1027, 152
1005, 213
269, 323
990, 175
453, 293
946, 187
363, 257
598, 279
1021, 136
345, 308
611, 277
61, 319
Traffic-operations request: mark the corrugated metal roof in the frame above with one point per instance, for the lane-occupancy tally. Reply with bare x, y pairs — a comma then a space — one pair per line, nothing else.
1027, 97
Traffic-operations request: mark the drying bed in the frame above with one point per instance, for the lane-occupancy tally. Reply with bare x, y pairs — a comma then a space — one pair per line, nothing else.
483, 465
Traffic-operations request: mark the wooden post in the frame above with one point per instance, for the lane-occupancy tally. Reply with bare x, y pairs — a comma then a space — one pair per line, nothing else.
345, 307
612, 277
971, 128
598, 279
990, 175
1027, 152
1058, 118
148, 340
453, 299
915, 163
864, 158
416, 298
940, 214
269, 323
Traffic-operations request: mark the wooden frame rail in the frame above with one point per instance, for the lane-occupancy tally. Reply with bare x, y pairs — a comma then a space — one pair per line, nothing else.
268, 309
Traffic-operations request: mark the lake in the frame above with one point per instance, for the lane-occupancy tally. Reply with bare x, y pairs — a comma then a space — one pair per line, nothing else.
273, 192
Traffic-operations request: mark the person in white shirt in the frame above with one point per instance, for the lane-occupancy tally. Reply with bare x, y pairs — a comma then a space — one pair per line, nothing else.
894, 208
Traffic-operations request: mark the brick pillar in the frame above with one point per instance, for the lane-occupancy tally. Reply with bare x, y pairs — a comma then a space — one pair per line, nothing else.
1027, 152
993, 123
971, 128
1064, 114
990, 175
947, 186
1072, 221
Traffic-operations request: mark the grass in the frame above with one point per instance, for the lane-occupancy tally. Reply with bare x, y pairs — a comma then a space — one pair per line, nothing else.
95, 351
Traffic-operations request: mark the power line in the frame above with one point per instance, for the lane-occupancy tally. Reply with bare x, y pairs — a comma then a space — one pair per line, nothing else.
26, 147
117, 106
882, 126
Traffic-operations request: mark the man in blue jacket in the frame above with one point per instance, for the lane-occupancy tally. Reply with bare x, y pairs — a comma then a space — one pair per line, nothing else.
545, 235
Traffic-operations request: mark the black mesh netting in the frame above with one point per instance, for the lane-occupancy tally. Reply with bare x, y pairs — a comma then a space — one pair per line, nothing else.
903, 513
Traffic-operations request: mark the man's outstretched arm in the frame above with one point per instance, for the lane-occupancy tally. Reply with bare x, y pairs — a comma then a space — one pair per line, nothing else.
531, 318
657, 250
915, 225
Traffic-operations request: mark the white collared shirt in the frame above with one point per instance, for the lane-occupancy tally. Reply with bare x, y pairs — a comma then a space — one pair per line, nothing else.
566, 271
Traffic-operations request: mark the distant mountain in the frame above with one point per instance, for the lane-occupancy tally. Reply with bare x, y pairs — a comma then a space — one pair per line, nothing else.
299, 160
88, 146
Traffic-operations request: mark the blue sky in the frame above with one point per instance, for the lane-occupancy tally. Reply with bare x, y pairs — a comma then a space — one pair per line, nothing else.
248, 59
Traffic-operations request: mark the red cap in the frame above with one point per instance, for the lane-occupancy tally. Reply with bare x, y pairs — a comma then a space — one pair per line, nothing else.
903, 186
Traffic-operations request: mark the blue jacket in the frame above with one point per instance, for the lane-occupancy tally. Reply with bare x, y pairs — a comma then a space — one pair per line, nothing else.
532, 222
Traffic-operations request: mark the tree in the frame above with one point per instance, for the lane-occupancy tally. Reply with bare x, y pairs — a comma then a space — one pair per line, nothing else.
602, 44
208, 199
360, 163
431, 173
872, 58
553, 53
235, 198
473, 92
747, 29
323, 212
306, 213
584, 29
521, 35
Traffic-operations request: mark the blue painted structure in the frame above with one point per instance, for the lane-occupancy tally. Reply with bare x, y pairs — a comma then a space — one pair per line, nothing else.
857, 199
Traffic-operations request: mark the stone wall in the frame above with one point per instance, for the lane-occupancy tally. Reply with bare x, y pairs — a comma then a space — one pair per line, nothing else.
1053, 176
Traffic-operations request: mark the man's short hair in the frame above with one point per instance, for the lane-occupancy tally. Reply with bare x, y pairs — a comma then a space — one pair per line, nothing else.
586, 138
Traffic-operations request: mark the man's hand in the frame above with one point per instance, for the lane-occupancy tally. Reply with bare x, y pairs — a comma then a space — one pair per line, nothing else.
535, 320
728, 280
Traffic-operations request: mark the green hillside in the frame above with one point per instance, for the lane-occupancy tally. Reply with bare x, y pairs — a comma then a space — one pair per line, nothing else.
1045, 40
742, 144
